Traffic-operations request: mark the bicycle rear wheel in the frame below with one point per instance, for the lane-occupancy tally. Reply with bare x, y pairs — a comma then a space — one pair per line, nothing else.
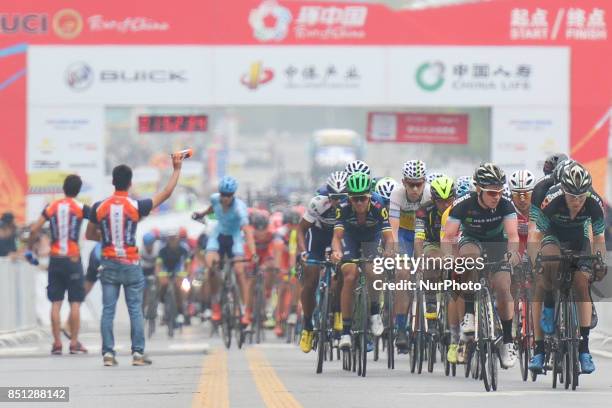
170, 308
390, 330
364, 330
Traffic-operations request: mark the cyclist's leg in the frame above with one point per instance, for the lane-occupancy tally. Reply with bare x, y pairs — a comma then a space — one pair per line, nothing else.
349, 277
403, 298
469, 248
501, 281
180, 295
582, 283
434, 257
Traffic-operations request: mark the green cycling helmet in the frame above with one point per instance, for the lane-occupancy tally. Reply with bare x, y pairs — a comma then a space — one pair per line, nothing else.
442, 188
358, 183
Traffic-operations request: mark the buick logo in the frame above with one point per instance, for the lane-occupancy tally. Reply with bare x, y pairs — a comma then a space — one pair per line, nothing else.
79, 76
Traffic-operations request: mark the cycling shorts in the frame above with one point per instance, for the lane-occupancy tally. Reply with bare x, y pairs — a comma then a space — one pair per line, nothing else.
354, 248
317, 240
228, 245
406, 241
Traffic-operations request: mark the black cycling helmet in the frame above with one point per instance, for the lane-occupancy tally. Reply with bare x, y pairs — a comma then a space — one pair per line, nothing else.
560, 169
576, 179
551, 162
489, 174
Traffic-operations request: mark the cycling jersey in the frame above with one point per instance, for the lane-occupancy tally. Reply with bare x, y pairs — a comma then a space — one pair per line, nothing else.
65, 217
226, 237
400, 207
484, 224
376, 220
555, 216
537, 196
148, 259
321, 212
118, 218
523, 230
172, 259
428, 223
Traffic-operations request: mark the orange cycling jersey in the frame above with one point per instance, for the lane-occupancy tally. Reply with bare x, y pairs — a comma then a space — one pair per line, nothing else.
65, 217
118, 217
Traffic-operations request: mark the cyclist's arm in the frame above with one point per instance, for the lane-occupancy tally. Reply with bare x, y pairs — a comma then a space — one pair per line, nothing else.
92, 232
206, 212
395, 223
511, 228
250, 239
163, 195
337, 241
387, 236
303, 226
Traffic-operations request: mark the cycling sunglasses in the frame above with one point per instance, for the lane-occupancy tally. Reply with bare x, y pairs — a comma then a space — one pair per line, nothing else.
337, 196
522, 195
493, 193
360, 198
414, 184
227, 195
575, 196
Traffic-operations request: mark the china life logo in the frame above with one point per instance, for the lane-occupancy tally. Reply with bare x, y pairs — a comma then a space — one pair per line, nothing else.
430, 76
270, 21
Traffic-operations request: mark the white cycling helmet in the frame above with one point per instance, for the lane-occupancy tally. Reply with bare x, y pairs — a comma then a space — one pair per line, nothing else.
434, 175
336, 182
357, 165
522, 180
414, 170
384, 187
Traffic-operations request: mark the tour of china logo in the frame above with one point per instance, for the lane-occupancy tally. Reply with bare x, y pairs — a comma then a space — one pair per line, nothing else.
270, 21
257, 75
430, 76
67, 24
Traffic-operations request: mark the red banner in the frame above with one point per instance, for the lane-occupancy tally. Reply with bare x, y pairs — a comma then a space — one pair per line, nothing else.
402, 127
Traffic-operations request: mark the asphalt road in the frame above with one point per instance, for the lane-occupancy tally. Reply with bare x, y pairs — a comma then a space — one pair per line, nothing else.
195, 370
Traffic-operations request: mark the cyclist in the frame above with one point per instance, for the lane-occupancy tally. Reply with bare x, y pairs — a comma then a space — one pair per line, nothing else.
148, 259
427, 233
521, 186
315, 232
405, 201
226, 239
384, 187
359, 227
172, 265
565, 212
488, 223
286, 250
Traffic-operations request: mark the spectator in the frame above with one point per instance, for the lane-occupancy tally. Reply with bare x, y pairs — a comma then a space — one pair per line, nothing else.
8, 240
120, 259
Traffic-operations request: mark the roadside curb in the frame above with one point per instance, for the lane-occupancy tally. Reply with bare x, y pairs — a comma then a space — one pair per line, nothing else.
15, 338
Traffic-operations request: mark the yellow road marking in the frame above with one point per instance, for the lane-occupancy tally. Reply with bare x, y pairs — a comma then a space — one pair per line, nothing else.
270, 387
213, 391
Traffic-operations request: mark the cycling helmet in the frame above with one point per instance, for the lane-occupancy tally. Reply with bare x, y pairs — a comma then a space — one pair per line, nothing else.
358, 183
336, 182
442, 188
291, 217
489, 174
228, 185
560, 169
259, 219
433, 175
172, 232
576, 179
551, 162
183, 232
522, 180
414, 170
463, 185
355, 166
384, 187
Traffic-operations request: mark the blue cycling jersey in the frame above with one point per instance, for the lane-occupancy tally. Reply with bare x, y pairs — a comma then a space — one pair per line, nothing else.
231, 221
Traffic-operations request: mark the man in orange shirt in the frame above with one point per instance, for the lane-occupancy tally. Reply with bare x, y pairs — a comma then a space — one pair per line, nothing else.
114, 222
65, 268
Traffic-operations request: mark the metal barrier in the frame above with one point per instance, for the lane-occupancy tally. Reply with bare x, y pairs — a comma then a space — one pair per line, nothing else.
17, 296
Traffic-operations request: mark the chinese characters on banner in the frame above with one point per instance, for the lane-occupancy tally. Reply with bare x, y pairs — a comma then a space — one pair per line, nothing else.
400, 127
570, 24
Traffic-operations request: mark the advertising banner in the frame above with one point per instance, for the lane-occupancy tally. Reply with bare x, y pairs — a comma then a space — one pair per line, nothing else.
119, 75
405, 127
